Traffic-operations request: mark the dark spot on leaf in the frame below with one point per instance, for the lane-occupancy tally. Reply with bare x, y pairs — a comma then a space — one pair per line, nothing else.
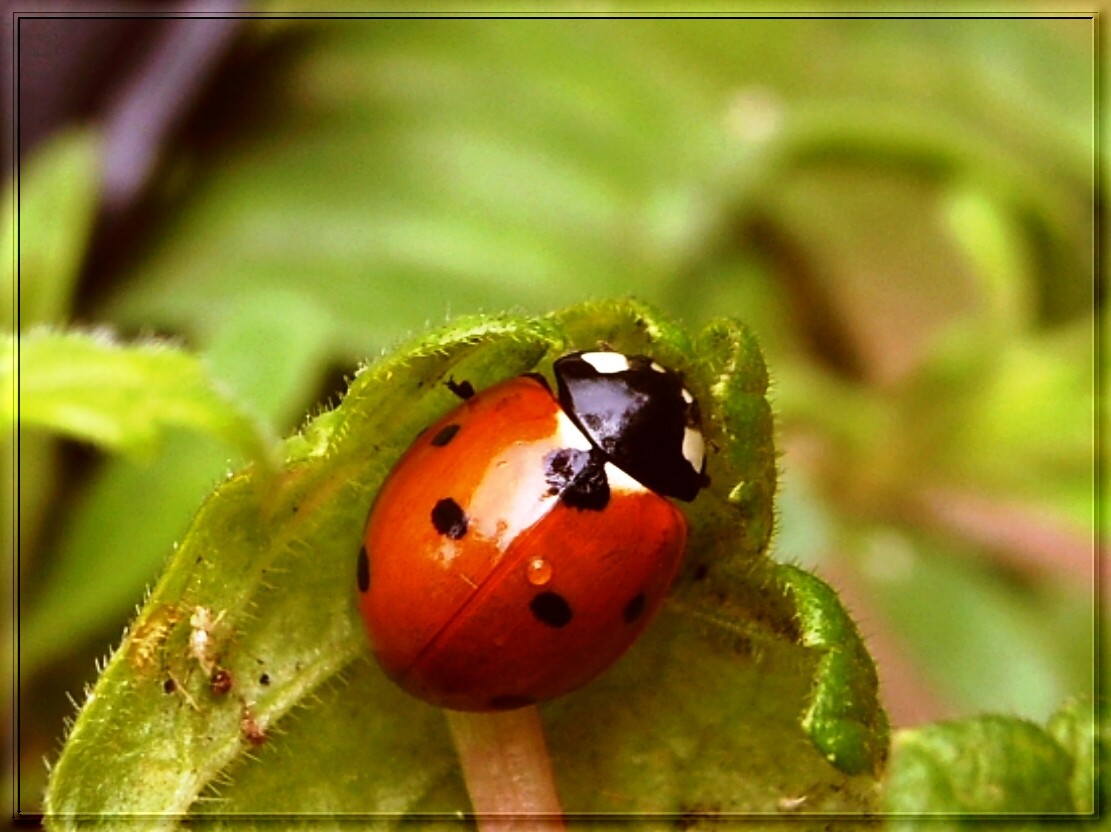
744, 647
252, 732
445, 435
169, 686
551, 609
363, 570
690, 816
264, 679
221, 682
510, 701
634, 609
449, 519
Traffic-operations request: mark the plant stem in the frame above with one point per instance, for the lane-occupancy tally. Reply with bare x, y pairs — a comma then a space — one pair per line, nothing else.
505, 763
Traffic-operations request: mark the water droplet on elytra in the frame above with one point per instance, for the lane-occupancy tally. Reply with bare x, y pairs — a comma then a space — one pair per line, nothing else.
538, 572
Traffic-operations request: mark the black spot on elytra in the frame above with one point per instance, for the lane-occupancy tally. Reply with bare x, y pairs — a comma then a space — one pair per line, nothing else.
578, 477
449, 519
264, 679
552, 609
363, 570
445, 435
463, 389
634, 609
169, 686
510, 701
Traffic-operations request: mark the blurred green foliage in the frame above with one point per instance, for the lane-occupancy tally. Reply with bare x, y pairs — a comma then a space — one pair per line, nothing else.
902, 209
990, 764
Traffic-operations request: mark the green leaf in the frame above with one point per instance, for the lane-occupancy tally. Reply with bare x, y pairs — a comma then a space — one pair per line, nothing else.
93, 389
120, 532
1077, 728
992, 765
843, 715
702, 715
56, 201
113, 545
135, 399
58, 191
269, 351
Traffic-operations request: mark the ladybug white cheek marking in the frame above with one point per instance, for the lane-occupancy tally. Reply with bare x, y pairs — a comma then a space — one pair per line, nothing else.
606, 362
694, 448
620, 482
569, 435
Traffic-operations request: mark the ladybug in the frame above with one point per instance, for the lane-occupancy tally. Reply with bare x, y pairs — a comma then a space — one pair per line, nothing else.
525, 540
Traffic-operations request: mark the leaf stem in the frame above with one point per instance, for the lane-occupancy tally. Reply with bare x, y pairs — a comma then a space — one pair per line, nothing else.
505, 763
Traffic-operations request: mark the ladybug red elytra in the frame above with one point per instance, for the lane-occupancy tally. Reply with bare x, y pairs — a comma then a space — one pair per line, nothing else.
525, 540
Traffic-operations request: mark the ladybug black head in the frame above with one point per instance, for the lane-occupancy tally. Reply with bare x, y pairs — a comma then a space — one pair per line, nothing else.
639, 414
